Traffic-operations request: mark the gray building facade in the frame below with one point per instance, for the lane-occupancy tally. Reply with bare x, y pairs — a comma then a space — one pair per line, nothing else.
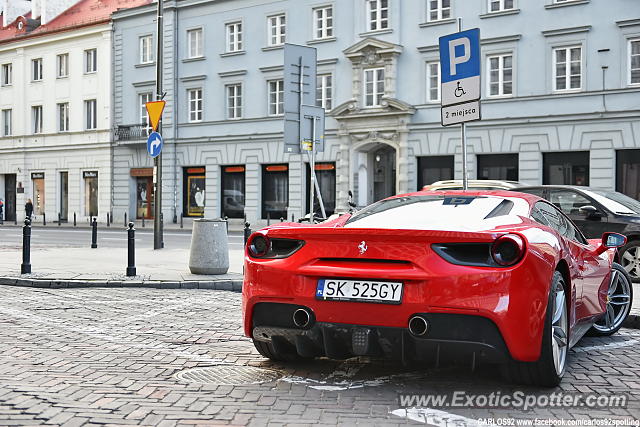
560, 100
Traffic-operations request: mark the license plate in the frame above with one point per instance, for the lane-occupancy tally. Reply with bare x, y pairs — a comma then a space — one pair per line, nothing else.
359, 290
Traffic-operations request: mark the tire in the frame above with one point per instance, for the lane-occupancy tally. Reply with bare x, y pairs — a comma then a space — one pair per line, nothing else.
619, 301
630, 259
276, 354
544, 372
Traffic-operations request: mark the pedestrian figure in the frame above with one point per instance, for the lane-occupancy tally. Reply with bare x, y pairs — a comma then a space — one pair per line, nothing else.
28, 208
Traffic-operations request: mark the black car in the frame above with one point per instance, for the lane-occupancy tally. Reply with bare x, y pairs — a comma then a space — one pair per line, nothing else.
595, 211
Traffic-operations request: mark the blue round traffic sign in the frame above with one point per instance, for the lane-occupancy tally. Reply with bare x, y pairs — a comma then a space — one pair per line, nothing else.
154, 144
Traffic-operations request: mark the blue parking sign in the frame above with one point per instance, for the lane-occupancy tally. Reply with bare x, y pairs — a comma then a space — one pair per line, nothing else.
460, 67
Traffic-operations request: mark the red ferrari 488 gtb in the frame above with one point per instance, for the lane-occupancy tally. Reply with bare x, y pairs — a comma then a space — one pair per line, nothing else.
492, 276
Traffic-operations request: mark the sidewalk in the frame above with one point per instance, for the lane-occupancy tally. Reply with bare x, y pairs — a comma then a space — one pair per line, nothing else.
81, 267
235, 224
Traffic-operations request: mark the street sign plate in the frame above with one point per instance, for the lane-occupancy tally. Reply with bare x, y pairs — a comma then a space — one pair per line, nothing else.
154, 144
309, 113
460, 113
297, 59
460, 67
154, 111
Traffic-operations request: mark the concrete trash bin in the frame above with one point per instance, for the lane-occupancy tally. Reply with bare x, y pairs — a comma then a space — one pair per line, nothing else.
209, 247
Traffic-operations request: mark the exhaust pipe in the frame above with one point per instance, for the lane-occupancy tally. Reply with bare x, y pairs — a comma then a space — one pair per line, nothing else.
418, 326
301, 318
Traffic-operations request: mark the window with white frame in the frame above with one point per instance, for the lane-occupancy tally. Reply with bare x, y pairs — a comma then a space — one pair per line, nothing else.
90, 61
143, 98
36, 119
234, 36
322, 22
63, 117
7, 74
146, 49
377, 15
438, 10
500, 72
6, 122
324, 91
194, 97
36, 69
194, 43
91, 114
62, 65
634, 61
373, 86
234, 101
433, 81
500, 5
276, 95
277, 29
567, 68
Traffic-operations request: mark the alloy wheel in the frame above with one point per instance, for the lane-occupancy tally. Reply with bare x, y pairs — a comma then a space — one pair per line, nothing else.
618, 302
630, 260
559, 327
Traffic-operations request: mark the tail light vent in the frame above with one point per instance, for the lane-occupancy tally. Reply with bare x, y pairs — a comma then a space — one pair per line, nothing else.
261, 246
505, 251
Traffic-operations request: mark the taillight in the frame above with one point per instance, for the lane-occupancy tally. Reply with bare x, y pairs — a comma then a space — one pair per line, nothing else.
261, 246
507, 250
258, 246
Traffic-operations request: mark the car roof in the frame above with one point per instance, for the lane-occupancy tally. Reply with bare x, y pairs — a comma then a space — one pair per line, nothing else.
472, 193
478, 182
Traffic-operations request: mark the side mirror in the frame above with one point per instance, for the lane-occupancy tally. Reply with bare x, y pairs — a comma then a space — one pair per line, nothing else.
611, 240
590, 212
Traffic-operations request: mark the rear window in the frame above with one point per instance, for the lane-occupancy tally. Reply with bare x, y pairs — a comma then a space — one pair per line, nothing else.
455, 213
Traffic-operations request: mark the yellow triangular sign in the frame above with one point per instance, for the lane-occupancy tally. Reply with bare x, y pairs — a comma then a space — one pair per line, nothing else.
154, 110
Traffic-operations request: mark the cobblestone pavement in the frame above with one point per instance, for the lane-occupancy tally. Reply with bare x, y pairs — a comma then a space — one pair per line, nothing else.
123, 357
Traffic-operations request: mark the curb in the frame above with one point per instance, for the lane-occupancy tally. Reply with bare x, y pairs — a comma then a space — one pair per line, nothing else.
234, 285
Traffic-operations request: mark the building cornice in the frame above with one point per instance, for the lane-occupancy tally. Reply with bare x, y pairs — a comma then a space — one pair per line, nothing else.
62, 34
564, 31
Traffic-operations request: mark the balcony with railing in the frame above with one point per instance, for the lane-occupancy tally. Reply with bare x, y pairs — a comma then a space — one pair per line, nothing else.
131, 133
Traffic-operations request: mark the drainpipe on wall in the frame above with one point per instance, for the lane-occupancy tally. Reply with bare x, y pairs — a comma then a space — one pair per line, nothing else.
176, 61
111, 123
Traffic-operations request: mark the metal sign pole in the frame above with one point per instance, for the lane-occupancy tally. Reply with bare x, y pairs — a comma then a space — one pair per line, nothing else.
463, 139
315, 178
158, 241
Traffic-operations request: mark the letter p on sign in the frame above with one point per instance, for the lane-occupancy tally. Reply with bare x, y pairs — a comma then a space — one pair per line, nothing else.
466, 55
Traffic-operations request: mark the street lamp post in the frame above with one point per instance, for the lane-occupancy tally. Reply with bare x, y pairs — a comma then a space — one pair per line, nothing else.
158, 241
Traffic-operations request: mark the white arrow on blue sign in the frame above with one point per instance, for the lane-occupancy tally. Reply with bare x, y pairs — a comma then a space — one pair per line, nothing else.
154, 144
460, 67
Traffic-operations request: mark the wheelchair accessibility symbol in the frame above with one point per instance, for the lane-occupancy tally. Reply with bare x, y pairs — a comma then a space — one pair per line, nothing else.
459, 91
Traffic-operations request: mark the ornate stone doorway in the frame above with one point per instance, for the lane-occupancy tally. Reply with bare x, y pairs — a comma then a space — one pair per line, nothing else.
375, 172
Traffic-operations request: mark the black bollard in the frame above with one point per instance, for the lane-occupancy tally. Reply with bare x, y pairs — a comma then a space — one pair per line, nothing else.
108, 220
268, 218
226, 221
59, 219
292, 218
142, 221
131, 251
181, 218
94, 233
161, 230
74, 219
44, 218
25, 268
247, 232
125, 219
281, 219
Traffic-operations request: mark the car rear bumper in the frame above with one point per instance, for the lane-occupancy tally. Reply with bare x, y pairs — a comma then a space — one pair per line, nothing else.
449, 337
